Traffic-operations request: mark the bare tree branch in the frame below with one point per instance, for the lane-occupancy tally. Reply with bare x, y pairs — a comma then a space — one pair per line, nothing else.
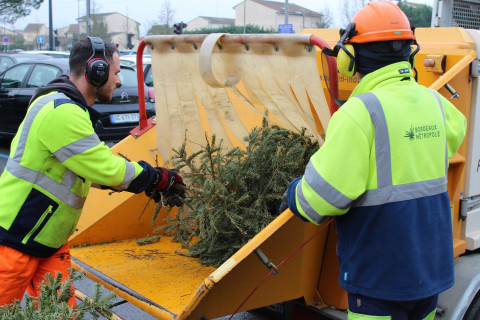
350, 8
11, 10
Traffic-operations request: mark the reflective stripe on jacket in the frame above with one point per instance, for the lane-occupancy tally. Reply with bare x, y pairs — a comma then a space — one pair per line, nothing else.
53, 161
383, 173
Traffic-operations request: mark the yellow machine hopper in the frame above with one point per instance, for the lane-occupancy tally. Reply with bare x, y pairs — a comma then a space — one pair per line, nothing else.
204, 85
224, 84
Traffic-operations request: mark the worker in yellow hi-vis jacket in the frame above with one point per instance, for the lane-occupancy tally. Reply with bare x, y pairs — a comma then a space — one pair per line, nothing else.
55, 157
382, 174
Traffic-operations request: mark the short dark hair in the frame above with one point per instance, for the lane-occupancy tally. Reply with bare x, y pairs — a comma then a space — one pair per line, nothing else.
81, 53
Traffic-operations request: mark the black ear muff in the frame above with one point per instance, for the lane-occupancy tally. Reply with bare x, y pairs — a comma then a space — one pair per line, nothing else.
97, 68
414, 52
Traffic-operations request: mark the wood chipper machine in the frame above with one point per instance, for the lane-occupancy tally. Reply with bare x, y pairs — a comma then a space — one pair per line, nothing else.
223, 84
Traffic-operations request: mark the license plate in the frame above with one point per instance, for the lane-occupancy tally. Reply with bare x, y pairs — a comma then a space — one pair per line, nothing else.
124, 117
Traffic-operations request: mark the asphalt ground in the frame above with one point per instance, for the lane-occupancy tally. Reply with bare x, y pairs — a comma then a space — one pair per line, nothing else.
87, 286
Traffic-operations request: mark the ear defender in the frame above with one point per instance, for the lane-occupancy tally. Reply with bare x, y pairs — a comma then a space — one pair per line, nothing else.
413, 54
346, 61
97, 68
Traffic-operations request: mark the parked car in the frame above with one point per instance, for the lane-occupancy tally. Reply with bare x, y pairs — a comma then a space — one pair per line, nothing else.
116, 119
9, 59
53, 54
127, 52
148, 75
120, 116
131, 60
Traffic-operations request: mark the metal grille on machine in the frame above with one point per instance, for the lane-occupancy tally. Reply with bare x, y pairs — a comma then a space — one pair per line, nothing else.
466, 14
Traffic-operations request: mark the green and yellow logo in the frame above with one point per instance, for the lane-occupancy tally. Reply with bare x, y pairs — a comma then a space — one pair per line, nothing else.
410, 134
422, 132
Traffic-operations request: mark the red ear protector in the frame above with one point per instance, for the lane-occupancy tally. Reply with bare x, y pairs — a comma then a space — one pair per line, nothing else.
97, 69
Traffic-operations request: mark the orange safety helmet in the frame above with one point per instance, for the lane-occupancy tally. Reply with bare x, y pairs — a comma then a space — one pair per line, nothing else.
381, 21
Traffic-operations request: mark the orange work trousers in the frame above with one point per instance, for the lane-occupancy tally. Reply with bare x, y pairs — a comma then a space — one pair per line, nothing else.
20, 271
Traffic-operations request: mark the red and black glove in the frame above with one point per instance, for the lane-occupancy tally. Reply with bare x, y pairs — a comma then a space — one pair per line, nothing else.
168, 184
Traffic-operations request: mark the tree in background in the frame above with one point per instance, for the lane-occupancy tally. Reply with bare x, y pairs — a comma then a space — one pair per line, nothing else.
99, 27
11, 10
165, 20
327, 21
419, 15
349, 9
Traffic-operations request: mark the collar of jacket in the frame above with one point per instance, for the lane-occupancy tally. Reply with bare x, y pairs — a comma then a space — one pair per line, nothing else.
63, 84
383, 76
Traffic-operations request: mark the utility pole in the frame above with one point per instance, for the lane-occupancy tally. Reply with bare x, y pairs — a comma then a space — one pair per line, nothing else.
89, 30
50, 26
286, 11
245, 16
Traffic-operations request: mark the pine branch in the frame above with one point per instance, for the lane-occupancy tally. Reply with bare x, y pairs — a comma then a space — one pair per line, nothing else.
51, 304
233, 194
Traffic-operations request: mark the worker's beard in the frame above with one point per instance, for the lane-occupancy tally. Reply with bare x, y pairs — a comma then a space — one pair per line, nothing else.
103, 94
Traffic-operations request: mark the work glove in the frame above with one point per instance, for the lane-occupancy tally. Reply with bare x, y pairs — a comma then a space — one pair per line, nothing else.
284, 204
168, 185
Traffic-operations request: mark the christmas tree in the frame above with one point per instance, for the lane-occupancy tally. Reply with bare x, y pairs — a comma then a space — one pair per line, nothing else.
234, 194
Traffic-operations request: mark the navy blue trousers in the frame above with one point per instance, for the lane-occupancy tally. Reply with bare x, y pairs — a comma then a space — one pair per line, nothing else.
397, 310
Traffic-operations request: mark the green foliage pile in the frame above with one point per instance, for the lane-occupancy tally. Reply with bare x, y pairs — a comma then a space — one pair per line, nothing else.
52, 302
233, 194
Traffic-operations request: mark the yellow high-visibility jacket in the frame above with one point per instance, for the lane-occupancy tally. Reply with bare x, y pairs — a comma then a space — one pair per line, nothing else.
382, 173
54, 159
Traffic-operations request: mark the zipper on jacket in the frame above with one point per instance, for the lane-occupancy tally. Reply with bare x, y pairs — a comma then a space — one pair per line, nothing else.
37, 225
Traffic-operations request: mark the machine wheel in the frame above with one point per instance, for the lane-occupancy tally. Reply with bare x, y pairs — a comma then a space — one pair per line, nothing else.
473, 311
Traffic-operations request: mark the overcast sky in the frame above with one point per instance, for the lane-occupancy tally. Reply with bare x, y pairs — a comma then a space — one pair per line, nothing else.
66, 12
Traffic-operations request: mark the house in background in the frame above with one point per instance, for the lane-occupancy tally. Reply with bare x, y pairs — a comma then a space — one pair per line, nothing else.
33, 30
271, 14
117, 25
209, 22
114, 25
119, 28
11, 35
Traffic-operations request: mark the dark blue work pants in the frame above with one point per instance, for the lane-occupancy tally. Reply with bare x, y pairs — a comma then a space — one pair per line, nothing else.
361, 307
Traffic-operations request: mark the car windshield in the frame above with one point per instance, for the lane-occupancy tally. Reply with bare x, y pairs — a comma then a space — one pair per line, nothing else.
128, 77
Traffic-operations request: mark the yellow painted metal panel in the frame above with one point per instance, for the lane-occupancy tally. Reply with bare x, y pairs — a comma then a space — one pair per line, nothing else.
178, 286
154, 271
109, 216
240, 274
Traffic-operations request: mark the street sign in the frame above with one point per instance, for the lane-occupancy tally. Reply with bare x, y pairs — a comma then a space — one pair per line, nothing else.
285, 28
40, 39
5, 41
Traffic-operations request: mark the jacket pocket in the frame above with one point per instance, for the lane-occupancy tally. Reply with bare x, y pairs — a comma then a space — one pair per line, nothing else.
32, 216
44, 216
59, 227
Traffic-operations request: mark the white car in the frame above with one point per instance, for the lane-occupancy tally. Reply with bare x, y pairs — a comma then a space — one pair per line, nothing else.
131, 60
